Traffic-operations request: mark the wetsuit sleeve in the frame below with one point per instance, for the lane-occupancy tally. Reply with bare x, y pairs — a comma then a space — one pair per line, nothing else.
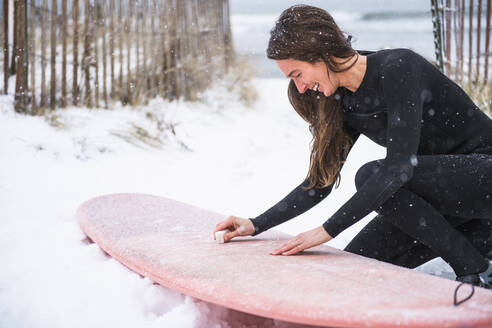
401, 90
296, 202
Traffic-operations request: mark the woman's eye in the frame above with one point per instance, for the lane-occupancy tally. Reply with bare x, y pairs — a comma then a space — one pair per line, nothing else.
298, 75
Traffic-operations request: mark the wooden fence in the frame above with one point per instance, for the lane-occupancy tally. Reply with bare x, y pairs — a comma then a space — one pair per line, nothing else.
462, 39
90, 52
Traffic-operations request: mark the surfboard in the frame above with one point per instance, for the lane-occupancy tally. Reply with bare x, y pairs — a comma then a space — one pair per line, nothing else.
172, 243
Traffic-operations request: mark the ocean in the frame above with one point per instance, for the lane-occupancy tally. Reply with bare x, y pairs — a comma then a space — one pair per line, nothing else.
374, 25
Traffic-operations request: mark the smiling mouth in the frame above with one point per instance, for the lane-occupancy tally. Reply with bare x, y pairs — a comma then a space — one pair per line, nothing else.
316, 86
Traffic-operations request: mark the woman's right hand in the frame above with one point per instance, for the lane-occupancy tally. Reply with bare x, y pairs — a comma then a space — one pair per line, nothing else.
236, 226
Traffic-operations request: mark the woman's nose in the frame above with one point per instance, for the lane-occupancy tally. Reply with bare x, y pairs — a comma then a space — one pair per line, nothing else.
301, 86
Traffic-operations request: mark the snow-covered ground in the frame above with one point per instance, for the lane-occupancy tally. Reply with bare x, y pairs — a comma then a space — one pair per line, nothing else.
223, 156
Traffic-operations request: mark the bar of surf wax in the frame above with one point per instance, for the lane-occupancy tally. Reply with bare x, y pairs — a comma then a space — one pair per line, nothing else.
219, 236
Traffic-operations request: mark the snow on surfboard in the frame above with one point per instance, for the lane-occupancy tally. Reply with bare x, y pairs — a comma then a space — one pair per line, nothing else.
172, 243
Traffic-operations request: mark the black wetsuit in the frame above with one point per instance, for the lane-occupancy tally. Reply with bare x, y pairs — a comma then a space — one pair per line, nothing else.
433, 189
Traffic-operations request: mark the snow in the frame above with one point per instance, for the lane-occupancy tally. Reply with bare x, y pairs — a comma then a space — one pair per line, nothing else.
223, 156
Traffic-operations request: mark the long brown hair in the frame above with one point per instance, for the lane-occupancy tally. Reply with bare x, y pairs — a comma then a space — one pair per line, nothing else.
310, 34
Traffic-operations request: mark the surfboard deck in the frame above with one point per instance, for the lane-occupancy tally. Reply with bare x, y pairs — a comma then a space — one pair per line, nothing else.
172, 243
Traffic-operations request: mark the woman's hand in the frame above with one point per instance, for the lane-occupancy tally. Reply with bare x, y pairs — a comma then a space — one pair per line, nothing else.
303, 241
237, 227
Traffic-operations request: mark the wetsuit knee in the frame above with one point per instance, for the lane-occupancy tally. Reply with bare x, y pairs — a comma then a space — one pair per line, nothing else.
366, 171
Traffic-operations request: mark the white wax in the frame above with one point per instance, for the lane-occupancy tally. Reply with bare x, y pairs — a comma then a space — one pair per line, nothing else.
219, 236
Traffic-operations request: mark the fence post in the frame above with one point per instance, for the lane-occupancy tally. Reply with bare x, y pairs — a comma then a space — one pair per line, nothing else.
54, 11
447, 42
436, 22
487, 43
163, 84
20, 54
128, 54
32, 52
462, 39
154, 80
64, 55
75, 22
456, 13
479, 27
144, 85
15, 26
86, 60
111, 45
26, 53
138, 36
229, 50
120, 48
185, 49
470, 41
42, 104
104, 30
95, 40
174, 53
5, 46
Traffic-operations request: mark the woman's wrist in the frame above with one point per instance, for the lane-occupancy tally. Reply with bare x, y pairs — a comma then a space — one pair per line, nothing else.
256, 226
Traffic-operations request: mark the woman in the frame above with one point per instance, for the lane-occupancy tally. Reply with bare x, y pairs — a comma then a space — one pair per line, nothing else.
432, 192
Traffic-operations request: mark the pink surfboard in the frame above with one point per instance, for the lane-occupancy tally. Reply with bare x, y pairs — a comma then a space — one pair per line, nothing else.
172, 243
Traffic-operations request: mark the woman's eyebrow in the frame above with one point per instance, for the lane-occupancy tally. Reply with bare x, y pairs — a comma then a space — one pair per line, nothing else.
290, 74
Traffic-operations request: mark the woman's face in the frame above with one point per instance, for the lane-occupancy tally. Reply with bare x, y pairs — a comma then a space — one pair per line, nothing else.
308, 76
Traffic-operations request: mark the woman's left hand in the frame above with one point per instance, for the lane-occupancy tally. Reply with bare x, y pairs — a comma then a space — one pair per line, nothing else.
303, 241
